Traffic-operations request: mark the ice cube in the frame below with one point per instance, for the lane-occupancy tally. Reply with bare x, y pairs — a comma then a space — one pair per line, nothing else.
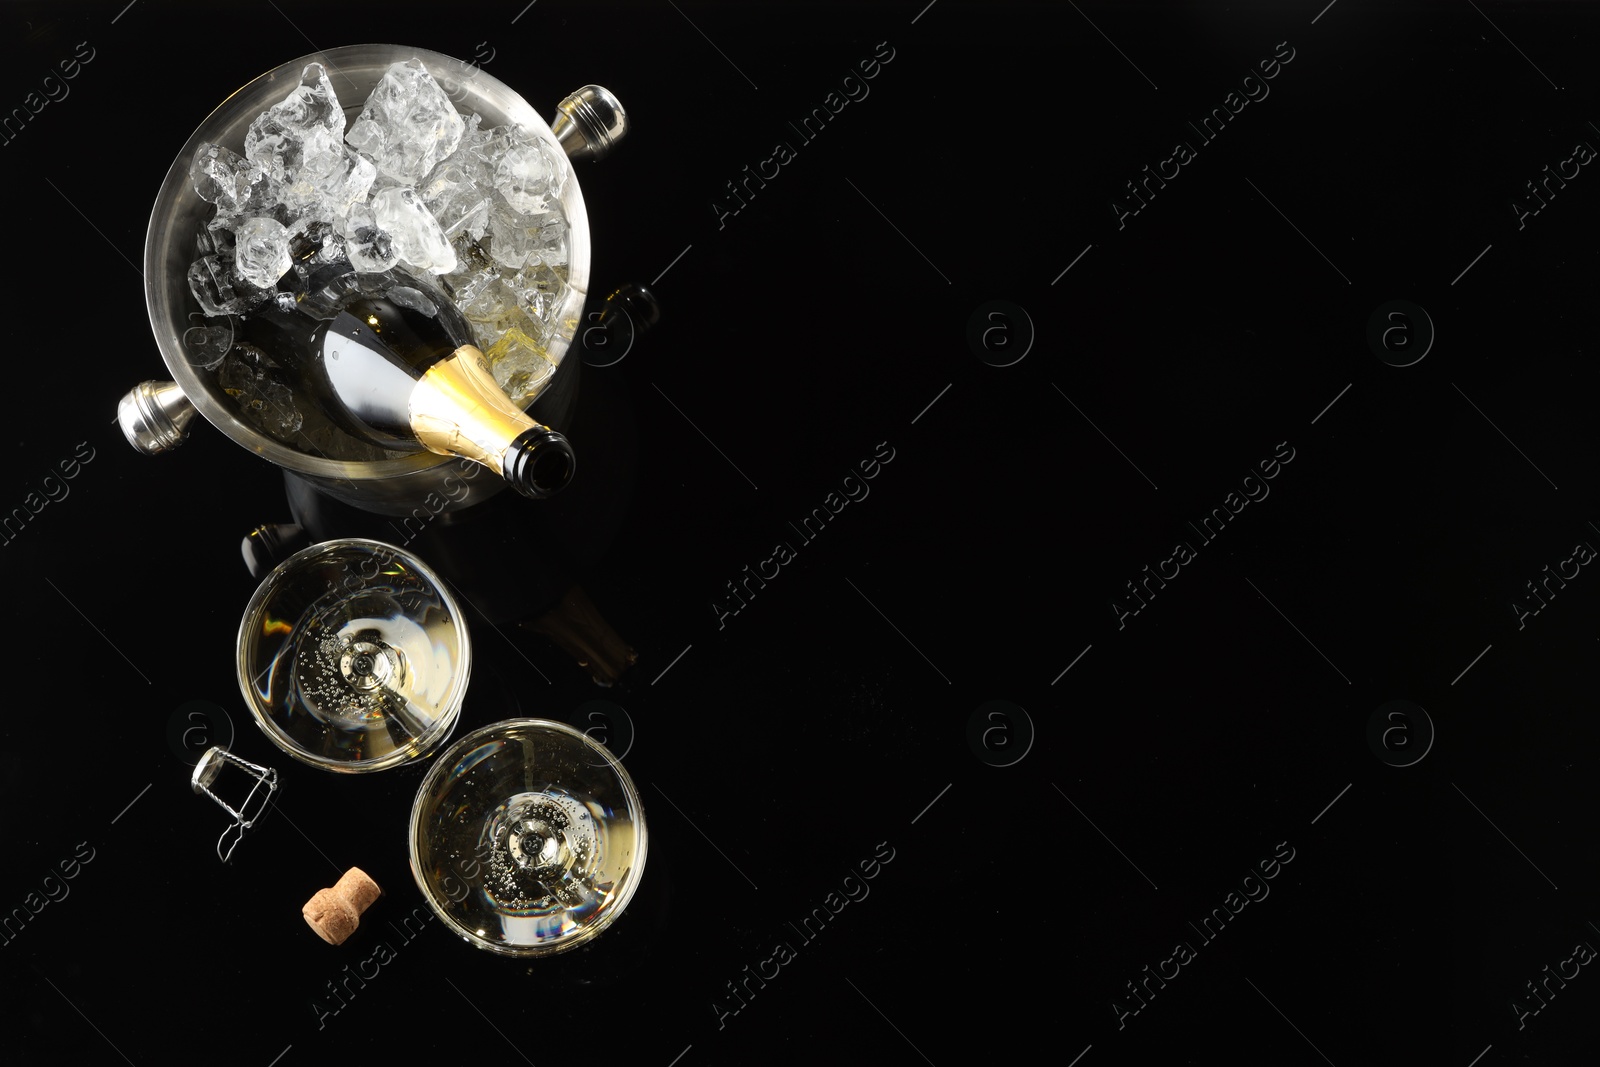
214, 238
408, 125
343, 185
552, 247
467, 215
453, 195
517, 238
218, 288
492, 307
408, 297
331, 296
519, 365
332, 251
308, 124
418, 240
462, 165
445, 180
314, 248
265, 401
262, 251
308, 238
471, 261
370, 249
528, 172
269, 199
371, 255
474, 136
540, 291
223, 177
205, 346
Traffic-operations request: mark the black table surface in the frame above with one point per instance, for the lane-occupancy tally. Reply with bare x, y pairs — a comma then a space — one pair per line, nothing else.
1205, 671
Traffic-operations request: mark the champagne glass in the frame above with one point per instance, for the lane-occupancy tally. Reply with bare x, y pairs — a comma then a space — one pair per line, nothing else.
354, 656
527, 838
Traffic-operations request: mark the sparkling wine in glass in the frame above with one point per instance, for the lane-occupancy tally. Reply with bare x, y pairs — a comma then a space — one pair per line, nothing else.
527, 838
354, 656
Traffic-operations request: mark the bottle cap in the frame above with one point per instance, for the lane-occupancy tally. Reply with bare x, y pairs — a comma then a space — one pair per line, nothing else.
264, 781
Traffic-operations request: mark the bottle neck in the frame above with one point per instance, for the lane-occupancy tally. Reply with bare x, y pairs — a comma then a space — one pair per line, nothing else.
458, 409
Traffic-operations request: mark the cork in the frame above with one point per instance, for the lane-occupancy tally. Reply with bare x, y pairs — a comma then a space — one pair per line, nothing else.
335, 913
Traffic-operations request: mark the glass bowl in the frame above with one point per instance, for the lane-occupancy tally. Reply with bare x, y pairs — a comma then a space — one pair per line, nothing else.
354, 656
527, 838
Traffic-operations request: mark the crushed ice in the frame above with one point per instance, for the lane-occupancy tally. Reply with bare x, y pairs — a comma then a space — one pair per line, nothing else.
409, 184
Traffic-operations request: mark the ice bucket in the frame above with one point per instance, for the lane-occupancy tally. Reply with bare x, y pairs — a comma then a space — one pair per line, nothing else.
156, 416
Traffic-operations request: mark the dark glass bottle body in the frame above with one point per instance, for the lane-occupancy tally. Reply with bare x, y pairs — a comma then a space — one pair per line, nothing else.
395, 365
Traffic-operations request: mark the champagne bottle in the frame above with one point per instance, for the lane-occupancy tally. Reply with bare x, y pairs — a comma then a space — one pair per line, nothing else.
394, 364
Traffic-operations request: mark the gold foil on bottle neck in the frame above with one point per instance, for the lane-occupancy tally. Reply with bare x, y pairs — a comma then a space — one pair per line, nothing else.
457, 409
